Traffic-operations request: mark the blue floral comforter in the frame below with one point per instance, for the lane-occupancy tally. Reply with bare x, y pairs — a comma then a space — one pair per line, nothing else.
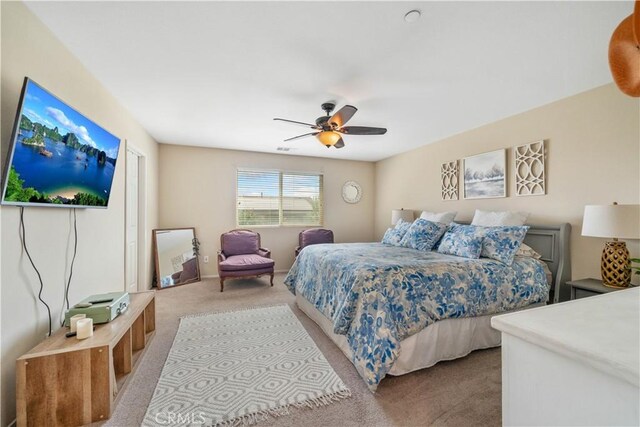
378, 295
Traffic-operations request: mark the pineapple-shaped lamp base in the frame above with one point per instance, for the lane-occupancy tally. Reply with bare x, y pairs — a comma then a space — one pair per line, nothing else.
615, 265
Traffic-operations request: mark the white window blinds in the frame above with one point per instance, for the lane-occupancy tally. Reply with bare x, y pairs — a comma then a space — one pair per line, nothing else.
279, 198
301, 199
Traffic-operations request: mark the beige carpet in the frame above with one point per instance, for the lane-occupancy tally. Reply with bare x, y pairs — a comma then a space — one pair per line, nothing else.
463, 392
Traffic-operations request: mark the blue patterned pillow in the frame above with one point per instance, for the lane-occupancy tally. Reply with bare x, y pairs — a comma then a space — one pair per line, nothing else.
423, 235
468, 230
393, 236
457, 228
461, 244
402, 227
388, 235
500, 243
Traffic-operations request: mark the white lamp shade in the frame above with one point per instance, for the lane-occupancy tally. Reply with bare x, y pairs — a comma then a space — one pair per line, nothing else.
617, 221
401, 214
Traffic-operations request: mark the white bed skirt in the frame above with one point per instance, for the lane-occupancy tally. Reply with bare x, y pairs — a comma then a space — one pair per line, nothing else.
444, 340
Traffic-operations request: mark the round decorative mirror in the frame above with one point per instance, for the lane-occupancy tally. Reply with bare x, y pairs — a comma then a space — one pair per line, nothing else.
351, 192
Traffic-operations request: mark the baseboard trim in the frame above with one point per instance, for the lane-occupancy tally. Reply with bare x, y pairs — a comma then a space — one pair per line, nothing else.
216, 276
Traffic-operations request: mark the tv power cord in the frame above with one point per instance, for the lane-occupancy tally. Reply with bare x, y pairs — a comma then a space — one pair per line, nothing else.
24, 246
73, 260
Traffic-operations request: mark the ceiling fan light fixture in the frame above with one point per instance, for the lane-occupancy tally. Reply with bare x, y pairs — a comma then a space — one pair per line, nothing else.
329, 129
328, 138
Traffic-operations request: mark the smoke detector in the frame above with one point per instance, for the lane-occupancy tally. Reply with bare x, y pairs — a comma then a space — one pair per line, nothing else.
412, 16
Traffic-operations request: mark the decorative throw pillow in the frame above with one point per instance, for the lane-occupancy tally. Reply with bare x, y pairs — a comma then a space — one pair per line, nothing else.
456, 228
502, 243
423, 235
499, 218
403, 226
443, 217
393, 236
460, 244
464, 229
527, 251
386, 239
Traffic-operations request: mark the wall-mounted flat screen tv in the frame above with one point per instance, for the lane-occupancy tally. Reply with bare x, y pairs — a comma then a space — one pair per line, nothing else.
58, 157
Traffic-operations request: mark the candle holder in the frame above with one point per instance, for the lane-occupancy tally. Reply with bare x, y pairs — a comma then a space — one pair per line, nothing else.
73, 321
84, 328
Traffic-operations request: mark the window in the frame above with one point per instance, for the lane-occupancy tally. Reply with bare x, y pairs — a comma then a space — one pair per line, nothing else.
278, 198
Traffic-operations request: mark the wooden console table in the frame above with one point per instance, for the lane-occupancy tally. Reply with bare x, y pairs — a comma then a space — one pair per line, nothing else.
70, 382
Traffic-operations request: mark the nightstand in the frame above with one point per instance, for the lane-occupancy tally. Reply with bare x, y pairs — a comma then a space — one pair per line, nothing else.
589, 287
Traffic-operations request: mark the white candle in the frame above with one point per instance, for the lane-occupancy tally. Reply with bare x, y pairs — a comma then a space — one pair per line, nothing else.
84, 328
74, 320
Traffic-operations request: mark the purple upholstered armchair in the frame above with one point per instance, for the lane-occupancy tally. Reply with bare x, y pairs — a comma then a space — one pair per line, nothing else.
313, 236
240, 255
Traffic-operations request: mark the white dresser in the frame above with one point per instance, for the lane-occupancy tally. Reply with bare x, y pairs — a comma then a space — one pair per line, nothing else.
575, 363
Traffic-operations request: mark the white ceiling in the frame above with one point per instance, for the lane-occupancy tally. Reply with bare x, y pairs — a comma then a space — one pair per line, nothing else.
216, 73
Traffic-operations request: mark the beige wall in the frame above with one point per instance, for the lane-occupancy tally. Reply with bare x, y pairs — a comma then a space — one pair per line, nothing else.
29, 49
593, 145
198, 188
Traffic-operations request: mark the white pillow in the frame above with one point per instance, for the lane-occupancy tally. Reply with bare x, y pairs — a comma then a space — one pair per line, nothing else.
496, 219
527, 251
442, 217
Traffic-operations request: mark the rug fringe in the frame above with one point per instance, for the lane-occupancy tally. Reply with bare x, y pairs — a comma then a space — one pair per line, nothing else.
254, 307
256, 417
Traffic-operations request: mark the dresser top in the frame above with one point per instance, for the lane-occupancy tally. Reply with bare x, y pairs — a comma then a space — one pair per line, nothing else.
602, 331
106, 334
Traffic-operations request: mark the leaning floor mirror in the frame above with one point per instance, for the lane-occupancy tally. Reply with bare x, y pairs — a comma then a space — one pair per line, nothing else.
176, 256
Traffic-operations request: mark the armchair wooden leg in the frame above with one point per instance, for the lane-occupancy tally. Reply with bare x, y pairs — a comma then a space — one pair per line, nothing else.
271, 279
221, 284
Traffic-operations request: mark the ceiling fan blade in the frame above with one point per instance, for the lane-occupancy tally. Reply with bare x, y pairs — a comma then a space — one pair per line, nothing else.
309, 125
362, 130
339, 144
302, 136
343, 115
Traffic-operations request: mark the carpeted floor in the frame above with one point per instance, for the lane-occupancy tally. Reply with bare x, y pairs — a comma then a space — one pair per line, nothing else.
463, 392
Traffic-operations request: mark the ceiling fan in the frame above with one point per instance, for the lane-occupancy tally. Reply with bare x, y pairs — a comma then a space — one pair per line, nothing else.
329, 129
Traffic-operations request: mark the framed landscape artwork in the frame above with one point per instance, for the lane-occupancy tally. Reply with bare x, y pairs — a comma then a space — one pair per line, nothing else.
485, 175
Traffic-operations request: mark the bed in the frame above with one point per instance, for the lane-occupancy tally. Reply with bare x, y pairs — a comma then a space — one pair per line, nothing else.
393, 310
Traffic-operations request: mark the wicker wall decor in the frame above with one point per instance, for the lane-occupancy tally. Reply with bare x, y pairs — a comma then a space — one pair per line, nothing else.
449, 179
530, 169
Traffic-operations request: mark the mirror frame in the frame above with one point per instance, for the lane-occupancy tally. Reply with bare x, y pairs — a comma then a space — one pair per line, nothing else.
358, 196
157, 261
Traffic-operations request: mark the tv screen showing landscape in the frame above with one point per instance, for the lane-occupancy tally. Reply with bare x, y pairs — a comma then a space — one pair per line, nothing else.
58, 157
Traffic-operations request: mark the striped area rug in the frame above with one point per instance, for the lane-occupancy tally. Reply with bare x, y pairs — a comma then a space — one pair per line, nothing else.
240, 367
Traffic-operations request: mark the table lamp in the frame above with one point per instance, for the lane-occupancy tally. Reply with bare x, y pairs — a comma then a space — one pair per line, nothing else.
401, 214
617, 222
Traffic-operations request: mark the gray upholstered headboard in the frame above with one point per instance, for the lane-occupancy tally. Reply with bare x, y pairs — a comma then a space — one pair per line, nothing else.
553, 243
